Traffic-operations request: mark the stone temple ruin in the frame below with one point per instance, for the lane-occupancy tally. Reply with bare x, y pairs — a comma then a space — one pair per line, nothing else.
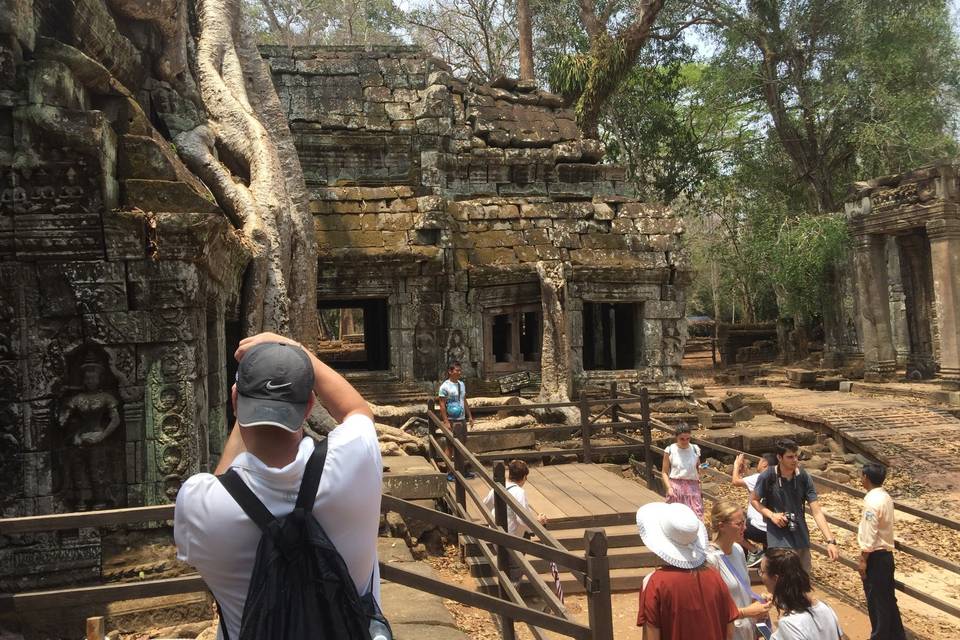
453, 221
475, 223
902, 304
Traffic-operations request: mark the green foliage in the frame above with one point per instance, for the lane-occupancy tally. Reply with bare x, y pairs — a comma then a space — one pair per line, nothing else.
802, 258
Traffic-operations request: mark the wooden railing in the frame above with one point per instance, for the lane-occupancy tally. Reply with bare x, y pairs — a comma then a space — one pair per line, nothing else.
593, 569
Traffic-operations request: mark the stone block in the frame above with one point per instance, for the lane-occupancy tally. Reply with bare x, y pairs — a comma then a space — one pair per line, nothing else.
412, 478
846, 386
493, 256
733, 402
715, 405
802, 376
165, 196
501, 440
742, 414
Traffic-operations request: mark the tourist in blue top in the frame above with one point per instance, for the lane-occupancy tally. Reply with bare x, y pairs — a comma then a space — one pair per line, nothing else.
780, 496
453, 406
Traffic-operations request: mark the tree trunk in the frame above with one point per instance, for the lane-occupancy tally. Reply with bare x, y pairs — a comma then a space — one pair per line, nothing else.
525, 26
246, 123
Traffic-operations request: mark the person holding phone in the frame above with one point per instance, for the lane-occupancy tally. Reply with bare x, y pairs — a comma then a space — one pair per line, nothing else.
727, 523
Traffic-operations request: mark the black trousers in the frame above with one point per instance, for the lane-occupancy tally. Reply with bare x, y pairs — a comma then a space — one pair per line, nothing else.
755, 535
881, 599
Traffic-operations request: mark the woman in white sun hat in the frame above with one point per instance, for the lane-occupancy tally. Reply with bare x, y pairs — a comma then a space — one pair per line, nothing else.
685, 599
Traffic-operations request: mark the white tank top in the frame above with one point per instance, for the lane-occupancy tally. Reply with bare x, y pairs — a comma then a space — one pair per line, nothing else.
683, 462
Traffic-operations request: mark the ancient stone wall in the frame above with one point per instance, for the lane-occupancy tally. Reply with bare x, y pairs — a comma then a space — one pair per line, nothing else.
449, 199
119, 275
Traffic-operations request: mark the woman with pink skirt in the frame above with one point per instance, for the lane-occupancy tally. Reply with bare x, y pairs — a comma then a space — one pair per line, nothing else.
681, 477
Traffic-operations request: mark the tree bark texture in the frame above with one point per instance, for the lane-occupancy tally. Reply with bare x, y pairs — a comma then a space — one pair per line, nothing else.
243, 151
525, 27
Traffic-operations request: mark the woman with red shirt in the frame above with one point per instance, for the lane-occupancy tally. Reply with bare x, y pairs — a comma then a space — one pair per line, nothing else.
685, 599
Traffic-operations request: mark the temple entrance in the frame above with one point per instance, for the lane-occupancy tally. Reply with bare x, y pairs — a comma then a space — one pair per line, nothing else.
354, 334
612, 335
512, 337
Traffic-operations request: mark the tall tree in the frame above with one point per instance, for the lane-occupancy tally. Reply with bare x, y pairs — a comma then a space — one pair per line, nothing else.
832, 73
616, 33
230, 130
525, 26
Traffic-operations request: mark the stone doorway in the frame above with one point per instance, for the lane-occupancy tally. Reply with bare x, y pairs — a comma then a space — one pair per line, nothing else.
355, 334
512, 338
612, 335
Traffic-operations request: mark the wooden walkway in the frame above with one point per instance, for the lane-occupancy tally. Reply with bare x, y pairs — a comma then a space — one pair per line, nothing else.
578, 496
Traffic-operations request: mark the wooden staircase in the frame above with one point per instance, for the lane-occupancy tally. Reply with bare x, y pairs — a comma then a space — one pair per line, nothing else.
630, 561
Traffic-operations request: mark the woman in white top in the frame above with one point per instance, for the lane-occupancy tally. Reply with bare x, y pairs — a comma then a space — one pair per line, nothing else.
681, 477
727, 523
802, 617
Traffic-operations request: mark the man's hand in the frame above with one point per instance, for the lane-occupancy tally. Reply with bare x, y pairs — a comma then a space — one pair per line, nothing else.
741, 463
246, 344
542, 519
862, 567
779, 519
833, 552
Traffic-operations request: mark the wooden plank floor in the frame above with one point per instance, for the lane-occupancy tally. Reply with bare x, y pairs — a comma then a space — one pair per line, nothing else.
578, 496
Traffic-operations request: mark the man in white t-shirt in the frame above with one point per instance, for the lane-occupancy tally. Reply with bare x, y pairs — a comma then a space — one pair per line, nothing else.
517, 472
276, 382
756, 533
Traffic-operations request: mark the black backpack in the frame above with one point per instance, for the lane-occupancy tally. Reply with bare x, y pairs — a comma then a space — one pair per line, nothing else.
300, 588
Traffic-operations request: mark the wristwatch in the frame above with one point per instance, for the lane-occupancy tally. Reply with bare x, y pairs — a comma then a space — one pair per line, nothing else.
831, 542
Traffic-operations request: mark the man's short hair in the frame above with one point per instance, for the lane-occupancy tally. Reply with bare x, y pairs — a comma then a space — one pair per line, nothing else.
274, 383
453, 365
517, 470
876, 473
786, 444
771, 459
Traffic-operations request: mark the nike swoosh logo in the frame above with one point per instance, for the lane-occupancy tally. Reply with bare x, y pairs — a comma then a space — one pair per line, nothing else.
272, 387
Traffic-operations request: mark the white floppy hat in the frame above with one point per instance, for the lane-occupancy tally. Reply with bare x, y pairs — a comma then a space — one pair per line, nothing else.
673, 532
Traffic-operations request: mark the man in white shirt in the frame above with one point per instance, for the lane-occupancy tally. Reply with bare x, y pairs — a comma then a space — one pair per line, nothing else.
453, 405
875, 537
756, 532
276, 382
517, 472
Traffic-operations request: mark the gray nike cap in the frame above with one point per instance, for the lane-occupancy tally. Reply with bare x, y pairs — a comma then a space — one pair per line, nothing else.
274, 383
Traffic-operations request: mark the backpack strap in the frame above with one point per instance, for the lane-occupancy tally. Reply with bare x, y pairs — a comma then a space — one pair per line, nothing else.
247, 499
311, 476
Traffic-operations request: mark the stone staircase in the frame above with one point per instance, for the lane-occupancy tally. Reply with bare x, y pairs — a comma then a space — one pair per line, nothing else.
630, 561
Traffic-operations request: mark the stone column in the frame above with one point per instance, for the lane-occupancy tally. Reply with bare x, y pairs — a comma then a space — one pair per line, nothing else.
870, 258
945, 264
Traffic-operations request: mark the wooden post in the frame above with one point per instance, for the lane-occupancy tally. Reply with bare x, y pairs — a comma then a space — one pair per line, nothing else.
507, 630
645, 425
615, 409
95, 628
431, 454
459, 462
585, 427
598, 584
